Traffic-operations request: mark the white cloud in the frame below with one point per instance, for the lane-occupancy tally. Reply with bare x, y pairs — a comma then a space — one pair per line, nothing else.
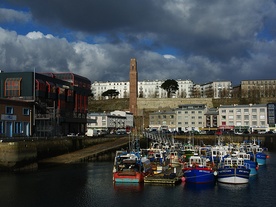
167, 56
38, 35
10, 15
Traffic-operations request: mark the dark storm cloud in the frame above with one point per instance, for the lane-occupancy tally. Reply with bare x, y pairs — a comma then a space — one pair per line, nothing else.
210, 40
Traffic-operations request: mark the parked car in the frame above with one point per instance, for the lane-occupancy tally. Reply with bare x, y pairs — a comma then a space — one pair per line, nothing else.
72, 135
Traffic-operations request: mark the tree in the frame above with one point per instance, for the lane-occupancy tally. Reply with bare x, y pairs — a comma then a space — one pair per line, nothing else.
171, 86
111, 93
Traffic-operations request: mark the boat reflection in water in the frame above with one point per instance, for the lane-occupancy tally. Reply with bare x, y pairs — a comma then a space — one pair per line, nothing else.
128, 187
196, 187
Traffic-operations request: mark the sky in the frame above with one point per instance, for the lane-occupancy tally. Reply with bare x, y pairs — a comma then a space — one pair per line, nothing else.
198, 40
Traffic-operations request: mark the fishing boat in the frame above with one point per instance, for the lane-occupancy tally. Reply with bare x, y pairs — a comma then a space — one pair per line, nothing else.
233, 170
174, 158
256, 152
198, 170
252, 164
158, 159
130, 167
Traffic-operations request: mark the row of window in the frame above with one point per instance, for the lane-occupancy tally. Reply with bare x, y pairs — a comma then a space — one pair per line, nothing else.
17, 127
261, 110
10, 110
245, 117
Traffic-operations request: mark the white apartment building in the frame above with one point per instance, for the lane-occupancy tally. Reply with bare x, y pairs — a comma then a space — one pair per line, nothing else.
244, 117
129, 118
216, 89
98, 88
190, 117
146, 89
105, 121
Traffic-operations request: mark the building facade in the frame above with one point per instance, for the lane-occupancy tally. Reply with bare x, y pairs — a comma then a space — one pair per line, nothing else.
110, 122
258, 88
190, 117
244, 117
162, 121
15, 118
58, 100
216, 89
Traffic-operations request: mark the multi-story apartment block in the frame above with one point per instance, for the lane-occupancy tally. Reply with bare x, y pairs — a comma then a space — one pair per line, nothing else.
99, 87
162, 120
211, 117
216, 89
190, 117
258, 88
243, 117
128, 118
58, 102
109, 122
146, 89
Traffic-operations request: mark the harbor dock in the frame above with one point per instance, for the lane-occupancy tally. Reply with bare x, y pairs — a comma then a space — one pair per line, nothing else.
171, 176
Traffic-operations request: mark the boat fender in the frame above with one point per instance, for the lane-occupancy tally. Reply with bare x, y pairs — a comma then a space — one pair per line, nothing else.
215, 173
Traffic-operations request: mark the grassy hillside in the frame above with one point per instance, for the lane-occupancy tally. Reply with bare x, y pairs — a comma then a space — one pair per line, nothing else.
107, 105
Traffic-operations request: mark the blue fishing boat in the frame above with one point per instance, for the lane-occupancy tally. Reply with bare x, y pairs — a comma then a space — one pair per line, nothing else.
233, 170
198, 170
252, 164
257, 152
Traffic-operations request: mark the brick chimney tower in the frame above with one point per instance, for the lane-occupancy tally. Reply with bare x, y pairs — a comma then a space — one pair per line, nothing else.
133, 86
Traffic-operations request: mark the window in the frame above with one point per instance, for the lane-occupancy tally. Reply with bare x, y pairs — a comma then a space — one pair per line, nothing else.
9, 110
246, 117
231, 111
238, 117
1, 127
254, 110
254, 117
223, 111
262, 110
12, 87
17, 127
26, 111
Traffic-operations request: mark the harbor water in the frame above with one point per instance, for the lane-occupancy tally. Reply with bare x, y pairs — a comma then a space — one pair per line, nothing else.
90, 184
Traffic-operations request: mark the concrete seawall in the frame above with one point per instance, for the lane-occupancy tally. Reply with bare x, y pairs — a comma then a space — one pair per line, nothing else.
23, 155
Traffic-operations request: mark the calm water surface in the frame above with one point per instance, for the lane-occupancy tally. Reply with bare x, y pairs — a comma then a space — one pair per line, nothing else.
90, 184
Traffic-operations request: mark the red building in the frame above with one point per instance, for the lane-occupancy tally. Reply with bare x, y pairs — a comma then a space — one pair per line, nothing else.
58, 101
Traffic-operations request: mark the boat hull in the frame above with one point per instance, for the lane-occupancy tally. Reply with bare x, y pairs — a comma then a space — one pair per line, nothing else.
233, 175
128, 177
261, 158
253, 166
199, 175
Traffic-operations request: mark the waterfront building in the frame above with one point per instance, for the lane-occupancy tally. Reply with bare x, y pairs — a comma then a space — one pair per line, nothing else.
243, 117
15, 118
190, 117
58, 101
211, 119
129, 118
162, 121
107, 122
